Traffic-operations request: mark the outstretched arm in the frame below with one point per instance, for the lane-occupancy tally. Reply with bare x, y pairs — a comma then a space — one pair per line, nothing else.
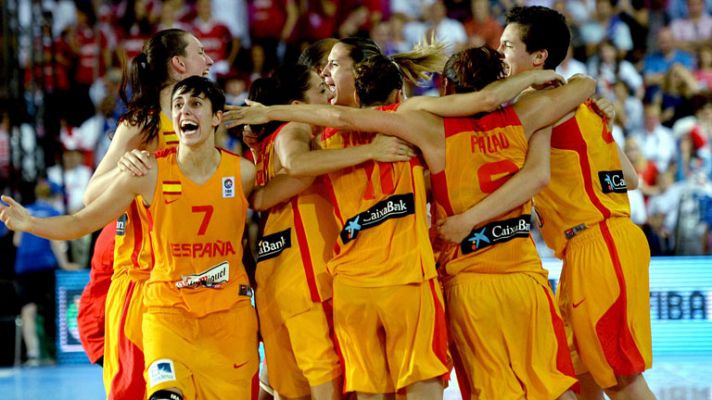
107, 207
125, 139
485, 100
520, 188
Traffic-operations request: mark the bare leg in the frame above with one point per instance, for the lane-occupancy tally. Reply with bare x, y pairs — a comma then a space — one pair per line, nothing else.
29, 331
568, 395
372, 396
589, 388
425, 390
631, 388
327, 391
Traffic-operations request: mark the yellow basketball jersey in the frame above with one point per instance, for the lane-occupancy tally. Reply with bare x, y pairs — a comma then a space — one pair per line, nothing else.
586, 185
381, 213
481, 154
132, 252
196, 235
296, 241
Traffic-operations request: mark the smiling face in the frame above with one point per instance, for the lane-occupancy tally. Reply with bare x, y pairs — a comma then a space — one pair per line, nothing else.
195, 61
339, 75
193, 118
514, 50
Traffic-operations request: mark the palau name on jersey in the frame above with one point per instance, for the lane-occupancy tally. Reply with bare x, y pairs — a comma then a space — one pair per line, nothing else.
488, 142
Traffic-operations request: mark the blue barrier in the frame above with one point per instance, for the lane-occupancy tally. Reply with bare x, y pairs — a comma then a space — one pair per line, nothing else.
680, 307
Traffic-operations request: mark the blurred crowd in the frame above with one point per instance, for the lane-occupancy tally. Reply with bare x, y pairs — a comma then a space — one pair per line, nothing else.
652, 60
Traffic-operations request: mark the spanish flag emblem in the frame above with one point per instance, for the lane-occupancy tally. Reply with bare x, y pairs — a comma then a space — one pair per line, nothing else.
171, 189
170, 138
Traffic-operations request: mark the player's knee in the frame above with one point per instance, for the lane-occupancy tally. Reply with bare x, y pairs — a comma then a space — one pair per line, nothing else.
166, 395
624, 381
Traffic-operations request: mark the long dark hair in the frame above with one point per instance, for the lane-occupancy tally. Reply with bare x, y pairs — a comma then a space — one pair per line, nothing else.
148, 75
286, 84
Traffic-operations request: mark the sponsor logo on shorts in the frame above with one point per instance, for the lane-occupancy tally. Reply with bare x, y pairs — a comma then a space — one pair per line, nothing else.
612, 182
496, 232
121, 224
396, 206
272, 245
161, 371
214, 278
228, 187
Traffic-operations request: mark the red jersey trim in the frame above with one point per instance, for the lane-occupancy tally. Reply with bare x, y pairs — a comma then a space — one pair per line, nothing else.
304, 251
568, 136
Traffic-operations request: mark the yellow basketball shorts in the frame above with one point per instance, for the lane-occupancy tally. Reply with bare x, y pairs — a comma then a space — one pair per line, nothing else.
300, 353
209, 357
390, 337
508, 337
604, 296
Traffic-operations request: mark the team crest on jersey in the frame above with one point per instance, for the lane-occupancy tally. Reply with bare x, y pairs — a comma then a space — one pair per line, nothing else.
612, 182
161, 371
396, 206
228, 187
214, 278
496, 232
272, 245
121, 224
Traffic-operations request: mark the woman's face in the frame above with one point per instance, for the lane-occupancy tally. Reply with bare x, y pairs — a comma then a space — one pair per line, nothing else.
339, 75
195, 60
318, 92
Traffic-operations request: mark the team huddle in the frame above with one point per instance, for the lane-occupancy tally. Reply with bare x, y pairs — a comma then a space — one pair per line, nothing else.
395, 237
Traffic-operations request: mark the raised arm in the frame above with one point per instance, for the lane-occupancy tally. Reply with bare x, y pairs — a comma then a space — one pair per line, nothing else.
485, 100
107, 207
125, 139
520, 188
541, 108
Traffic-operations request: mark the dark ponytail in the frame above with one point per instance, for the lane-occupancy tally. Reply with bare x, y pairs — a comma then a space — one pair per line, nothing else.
147, 75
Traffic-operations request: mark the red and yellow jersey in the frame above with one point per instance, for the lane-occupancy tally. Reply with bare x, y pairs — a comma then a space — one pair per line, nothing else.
196, 236
481, 154
586, 185
381, 213
297, 239
132, 252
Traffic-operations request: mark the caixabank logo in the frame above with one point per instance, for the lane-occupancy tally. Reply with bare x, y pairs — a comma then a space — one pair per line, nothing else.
272, 245
496, 232
396, 206
612, 181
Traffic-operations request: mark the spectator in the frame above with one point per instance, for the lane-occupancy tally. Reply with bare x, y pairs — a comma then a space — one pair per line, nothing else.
606, 24
412, 10
646, 169
695, 30
570, 66
218, 42
483, 29
657, 64
319, 19
629, 108
607, 68
134, 27
676, 93
445, 30
703, 73
73, 177
656, 141
679, 9
35, 262
272, 27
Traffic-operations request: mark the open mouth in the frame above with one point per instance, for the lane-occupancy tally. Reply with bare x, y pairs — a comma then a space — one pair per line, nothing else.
188, 128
